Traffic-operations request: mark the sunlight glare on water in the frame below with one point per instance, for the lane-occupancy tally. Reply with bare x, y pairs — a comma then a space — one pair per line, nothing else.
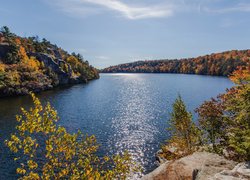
133, 123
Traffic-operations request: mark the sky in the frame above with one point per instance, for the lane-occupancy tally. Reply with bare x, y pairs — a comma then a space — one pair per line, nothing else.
110, 32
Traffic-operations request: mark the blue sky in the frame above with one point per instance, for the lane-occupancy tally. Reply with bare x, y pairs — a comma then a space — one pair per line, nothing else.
110, 32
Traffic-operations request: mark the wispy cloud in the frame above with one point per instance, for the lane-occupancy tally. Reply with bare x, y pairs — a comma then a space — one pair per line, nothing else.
132, 12
129, 11
241, 7
102, 57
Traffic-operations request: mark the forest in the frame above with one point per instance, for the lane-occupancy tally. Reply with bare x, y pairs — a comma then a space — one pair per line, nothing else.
30, 64
216, 64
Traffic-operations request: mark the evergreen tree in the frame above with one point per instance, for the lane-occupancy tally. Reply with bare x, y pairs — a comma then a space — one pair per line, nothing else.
184, 133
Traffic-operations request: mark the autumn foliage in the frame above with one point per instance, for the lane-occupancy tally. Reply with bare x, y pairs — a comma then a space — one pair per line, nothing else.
223, 123
218, 64
20, 72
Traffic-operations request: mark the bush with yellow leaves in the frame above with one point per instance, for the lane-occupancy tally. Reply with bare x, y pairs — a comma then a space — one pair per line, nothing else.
46, 150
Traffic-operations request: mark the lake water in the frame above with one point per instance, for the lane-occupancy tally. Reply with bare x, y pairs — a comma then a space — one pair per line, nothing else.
124, 111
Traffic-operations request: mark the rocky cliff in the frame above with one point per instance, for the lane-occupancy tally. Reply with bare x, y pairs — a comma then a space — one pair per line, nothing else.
55, 65
31, 64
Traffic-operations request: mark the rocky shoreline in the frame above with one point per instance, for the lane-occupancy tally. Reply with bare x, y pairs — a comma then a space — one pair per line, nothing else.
200, 166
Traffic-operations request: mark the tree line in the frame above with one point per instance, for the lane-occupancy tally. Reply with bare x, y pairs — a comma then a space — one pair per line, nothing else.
218, 64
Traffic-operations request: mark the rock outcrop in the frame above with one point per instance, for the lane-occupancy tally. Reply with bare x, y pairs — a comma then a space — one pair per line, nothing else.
200, 166
4, 49
55, 65
241, 171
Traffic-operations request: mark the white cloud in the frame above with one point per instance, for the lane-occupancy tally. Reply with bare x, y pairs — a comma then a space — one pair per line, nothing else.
86, 7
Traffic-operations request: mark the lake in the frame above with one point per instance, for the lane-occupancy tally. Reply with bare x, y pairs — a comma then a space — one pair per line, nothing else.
124, 111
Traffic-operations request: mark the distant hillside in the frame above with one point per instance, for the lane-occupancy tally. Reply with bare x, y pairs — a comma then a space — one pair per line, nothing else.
30, 64
218, 64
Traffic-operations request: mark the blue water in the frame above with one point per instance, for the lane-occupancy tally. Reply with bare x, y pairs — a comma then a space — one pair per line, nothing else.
124, 111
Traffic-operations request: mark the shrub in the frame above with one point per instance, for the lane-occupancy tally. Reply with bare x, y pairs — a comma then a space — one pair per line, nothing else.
46, 150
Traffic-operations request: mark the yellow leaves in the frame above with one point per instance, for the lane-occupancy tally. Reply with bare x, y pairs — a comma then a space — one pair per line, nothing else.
106, 158
63, 173
63, 155
32, 164
12, 146
77, 74
34, 64
15, 139
30, 63
28, 145
37, 103
2, 67
22, 53
20, 171
15, 159
13, 77
13, 143
49, 147
32, 175
72, 60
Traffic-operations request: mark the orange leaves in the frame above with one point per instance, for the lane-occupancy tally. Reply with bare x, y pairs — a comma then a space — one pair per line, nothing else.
22, 53
17, 41
34, 64
31, 63
2, 67
241, 75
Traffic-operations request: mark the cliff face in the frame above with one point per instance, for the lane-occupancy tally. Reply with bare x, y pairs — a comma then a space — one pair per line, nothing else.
55, 66
29, 64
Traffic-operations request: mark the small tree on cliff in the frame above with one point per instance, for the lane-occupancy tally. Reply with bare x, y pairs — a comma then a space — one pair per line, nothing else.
211, 120
47, 151
184, 133
6, 32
